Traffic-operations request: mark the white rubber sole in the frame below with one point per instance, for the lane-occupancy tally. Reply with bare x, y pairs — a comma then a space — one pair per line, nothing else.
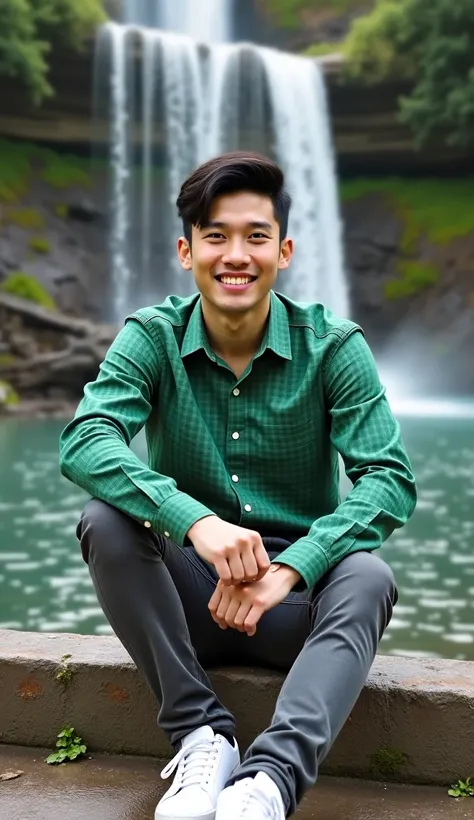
209, 816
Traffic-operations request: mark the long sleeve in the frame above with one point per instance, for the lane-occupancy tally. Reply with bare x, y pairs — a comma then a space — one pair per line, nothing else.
94, 447
366, 434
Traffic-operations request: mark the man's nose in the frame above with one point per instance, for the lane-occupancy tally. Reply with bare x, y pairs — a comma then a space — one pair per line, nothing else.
236, 254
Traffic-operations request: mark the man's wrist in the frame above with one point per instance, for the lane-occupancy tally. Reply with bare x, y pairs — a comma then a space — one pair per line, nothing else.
286, 572
197, 526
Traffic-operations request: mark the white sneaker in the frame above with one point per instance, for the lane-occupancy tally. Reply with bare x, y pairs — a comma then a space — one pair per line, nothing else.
252, 798
203, 765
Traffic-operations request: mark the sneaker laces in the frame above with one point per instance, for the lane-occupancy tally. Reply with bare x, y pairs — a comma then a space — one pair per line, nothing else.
256, 803
194, 763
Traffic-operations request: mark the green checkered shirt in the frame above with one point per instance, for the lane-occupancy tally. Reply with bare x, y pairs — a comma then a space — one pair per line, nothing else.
260, 451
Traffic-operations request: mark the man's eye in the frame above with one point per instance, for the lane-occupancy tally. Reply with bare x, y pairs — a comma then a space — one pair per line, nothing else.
259, 236
215, 236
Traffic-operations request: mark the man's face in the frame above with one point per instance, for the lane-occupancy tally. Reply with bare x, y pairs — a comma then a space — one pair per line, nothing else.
235, 258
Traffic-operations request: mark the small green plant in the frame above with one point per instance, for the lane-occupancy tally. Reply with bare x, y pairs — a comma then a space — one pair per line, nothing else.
69, 746
64, 672
27, 287
462, 788
39, 244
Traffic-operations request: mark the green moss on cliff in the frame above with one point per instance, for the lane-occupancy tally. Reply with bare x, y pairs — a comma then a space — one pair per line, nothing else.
414, 278
39, 244
440, 209
21, 162
27, 287
27, 218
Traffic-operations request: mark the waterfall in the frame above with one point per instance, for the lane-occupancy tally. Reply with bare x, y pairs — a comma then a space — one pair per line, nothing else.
173, 103
207, 21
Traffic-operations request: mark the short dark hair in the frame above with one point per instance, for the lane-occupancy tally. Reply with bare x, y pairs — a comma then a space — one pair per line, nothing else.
229, 174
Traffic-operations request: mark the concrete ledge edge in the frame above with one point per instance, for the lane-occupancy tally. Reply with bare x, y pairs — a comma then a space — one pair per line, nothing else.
413, 721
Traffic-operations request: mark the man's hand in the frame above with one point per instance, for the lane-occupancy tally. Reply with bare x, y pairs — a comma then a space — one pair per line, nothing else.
238, 554
241, 607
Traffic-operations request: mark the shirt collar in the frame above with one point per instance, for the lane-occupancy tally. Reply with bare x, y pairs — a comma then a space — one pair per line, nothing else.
277, 336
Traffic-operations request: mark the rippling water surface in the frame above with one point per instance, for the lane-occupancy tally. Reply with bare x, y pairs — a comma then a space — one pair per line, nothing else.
45, 586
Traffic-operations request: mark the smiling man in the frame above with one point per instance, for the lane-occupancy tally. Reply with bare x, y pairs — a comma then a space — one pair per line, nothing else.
233, 545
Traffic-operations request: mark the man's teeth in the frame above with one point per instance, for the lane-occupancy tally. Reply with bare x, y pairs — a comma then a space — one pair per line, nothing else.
235, 280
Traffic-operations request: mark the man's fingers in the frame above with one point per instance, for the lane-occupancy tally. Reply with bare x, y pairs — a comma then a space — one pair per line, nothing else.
241, 615
215, 598
229, 615
236, 568
250, 566
253, 617
223, 570
262, 559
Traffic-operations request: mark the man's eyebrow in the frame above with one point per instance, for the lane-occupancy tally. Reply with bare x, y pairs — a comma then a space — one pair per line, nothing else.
255, 224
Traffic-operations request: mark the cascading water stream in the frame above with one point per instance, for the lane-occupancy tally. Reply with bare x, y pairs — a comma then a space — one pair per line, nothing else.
175, 102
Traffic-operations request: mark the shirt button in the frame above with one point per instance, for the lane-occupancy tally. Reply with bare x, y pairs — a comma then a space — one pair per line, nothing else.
236, 391
147, 524
235, 478
248, 508
235, 435
166, 534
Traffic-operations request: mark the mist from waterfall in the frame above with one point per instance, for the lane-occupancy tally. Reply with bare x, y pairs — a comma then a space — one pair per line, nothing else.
171, 104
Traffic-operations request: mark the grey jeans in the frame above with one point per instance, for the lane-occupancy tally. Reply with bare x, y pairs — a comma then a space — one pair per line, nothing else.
155, 596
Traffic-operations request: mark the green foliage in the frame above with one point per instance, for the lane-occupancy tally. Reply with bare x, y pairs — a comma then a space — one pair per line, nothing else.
440, 209
286, 13
8, 395
463, 788
322, 49
377, 45
430, 42
415, 277
19, 160
69, 746
39, 244
27, 287
27, 29
26, 218
387, 762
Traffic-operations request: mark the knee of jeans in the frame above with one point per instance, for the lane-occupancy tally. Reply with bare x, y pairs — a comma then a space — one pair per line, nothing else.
373, 579
96, 527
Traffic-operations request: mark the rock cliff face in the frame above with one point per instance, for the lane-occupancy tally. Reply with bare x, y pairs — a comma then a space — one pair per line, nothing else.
426, 336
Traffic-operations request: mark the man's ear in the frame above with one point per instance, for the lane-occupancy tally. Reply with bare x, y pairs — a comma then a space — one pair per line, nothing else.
184, 253
286, 252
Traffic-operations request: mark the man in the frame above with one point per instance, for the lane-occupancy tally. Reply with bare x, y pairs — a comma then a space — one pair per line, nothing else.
233, 545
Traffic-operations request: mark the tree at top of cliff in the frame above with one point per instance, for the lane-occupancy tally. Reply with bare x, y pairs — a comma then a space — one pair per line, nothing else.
430, 42
27, 29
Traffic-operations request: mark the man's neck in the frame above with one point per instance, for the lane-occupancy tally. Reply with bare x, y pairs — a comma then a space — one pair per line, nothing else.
235, 336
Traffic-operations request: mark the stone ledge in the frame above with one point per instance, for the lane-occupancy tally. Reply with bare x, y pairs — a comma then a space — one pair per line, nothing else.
420, 708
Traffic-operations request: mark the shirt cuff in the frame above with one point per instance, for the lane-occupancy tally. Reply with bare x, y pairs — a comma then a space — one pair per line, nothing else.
177, 515
307, 558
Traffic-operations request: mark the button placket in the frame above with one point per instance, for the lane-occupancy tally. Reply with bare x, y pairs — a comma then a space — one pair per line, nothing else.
235, 456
